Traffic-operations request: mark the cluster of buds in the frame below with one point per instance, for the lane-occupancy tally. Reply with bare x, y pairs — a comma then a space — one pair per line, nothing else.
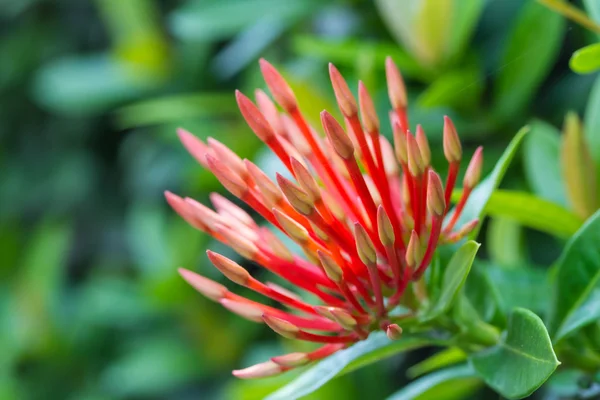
367, 215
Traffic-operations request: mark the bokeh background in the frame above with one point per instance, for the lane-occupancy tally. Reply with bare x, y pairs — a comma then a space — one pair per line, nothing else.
91, 92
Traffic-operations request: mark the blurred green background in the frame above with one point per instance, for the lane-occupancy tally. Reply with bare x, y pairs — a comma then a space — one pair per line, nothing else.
91, 306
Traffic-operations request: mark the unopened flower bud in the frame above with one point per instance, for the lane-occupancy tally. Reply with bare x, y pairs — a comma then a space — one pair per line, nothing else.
343, 95
452, 146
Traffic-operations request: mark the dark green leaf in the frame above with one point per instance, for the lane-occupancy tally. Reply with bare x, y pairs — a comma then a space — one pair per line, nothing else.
541, 162
424, 387
475, 207
586, 59
586, 313
522, 361
454, 278
533, 212
577, 273
528, 57
444, 358
592, 122
375, 348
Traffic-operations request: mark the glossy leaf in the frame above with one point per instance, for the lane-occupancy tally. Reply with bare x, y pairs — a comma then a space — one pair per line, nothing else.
592, 123
424, 387
528, 57
522, 361
444, 358
577, 274
586, 60
375, 348
533, 212
586, 313
454, 278
541, 151
475, 207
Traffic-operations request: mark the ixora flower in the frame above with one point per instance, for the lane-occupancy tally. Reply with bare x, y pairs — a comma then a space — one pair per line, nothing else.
367, 215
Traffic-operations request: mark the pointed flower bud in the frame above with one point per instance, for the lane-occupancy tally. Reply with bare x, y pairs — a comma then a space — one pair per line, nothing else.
262, 370
337, 137
270, 192
367, 109
194, 146
414, 250
364, 246
245, 310
343, 95
394, 332
452, 146
343, 318
296, 231
396, 87
269, 111
473, 173
255, 119
332, 270
279, 88
436, 203
226, 176
306, 180
400, 144
237, 242
416, 165
228, 157
421, 139
284, 328
384, 227
232, 270
298, 198
291, 360
210, 289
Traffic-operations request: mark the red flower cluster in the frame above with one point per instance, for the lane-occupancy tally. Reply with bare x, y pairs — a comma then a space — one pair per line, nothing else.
368, 215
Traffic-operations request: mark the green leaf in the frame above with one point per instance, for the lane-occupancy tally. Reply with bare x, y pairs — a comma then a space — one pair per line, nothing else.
475, 207
577, 274
528, 57
522, 361
533, 212
375, 348
444, 358
541, 152
586, 313
455, 88
586, 60
465, 17
593, 9
461, 381
504, 241
592, 123
454, 278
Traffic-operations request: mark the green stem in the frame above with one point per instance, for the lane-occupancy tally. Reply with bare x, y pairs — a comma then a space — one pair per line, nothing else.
573, 13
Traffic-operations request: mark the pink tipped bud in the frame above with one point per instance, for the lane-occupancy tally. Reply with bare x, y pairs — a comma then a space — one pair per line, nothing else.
194, 146
400, 144
291, 360
247, 310
270, 192
254, 118
384, 227
463, 231
343, 95
343, 318
205, 215
296, 231
416, 165
436, 203
182, 208
367, 109
306, 180
389, 162
364, 246
284, 328
325, 312
262, 370
396, 87
414, 250
334, 206
269, 111
298, 198
452, 146
279, 88
277, 246
225, 206
337, 137
393, 332
226, 176
232, 270
322, 235
421, 139
237, 242
295, 136
332, 270
210, 289
473, 173
283, 291
228, 157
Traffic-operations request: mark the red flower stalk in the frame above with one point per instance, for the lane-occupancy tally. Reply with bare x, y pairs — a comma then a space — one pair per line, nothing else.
367, 215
